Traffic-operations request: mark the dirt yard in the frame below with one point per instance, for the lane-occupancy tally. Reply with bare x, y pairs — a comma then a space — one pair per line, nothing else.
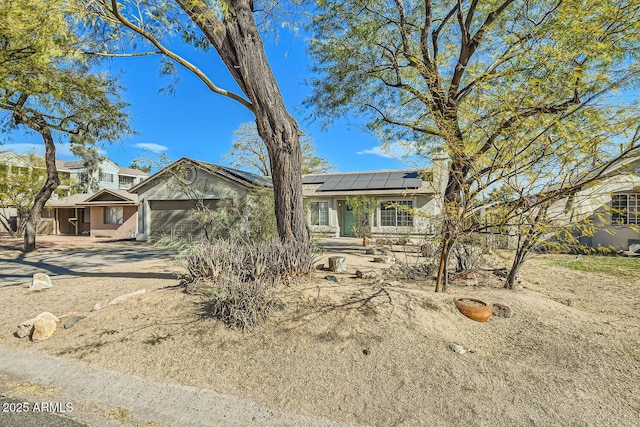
372, 353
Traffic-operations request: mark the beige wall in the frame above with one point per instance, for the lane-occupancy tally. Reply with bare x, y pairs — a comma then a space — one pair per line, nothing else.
126, 230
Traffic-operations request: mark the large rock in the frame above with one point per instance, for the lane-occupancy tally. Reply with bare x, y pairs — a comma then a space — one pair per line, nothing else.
118, 299
467, 279
27, 327
43, 329
40, 281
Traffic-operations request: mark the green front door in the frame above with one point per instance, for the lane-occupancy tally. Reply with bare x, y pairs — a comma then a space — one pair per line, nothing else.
348, 221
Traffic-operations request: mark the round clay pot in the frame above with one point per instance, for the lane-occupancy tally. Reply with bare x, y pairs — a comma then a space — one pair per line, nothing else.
473, 308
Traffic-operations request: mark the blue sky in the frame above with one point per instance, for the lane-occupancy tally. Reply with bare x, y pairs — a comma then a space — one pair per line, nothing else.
194, 122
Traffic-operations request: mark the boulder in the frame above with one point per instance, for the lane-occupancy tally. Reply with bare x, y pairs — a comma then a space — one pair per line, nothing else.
102, 304
383, 259
467, 279
43, 329
40, 281
27, 327
338, 264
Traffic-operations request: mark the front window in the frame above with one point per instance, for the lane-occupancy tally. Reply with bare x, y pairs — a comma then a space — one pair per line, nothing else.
396, 213
86, 216
319, 213
113, 215
106, 177
625, 209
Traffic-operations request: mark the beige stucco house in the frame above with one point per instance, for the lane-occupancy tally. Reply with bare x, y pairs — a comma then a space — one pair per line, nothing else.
107, 213
167, 199
611, 203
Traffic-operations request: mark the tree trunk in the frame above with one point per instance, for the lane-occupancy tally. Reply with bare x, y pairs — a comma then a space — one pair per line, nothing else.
47, 190
518, 260
238, 42
451, 197
442, 279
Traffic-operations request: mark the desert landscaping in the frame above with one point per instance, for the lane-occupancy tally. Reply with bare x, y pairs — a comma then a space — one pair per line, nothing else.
368, 351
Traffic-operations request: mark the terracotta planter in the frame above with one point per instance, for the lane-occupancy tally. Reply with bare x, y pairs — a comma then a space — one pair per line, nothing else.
473, 308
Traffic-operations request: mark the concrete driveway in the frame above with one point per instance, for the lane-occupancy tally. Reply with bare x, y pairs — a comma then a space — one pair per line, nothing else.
19, 268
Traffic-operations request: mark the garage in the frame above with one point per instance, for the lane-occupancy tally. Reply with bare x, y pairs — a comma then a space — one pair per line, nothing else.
176, 219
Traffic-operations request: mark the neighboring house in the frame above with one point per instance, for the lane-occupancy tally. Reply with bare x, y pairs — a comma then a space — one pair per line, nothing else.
107, 213
168, 198
166, 208
611, 203
329, 213
110, 175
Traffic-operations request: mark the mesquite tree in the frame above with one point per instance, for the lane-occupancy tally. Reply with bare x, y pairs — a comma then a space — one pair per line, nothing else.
229, 27
47, 89
500, 86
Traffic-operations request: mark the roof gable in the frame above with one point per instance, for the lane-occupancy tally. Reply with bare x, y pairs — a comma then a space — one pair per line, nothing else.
242, 178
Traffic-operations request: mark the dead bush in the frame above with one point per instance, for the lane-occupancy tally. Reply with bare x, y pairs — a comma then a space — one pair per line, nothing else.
240, 278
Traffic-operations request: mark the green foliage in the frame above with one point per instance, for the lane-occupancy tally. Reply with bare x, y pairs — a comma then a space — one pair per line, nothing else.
516, 93
247, 217
143, 165
249, 152
617, 266
18, 188
89, 177
363, 207
46, 81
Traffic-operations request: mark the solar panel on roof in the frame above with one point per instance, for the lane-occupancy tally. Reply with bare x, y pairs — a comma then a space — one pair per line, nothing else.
370, 181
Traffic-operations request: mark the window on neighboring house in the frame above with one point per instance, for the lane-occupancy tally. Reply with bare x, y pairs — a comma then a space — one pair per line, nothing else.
125, 181
319, 213
625, 209
86, 215
394, 214
106, 177
113, 215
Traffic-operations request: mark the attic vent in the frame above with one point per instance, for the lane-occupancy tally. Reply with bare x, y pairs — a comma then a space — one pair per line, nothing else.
190, 174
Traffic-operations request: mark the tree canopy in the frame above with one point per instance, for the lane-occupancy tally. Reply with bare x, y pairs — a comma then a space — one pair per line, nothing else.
48, 88
508, 89
139, 27
249, 152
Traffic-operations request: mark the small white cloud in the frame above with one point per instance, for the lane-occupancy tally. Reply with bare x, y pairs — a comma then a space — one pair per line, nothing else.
150, 146
397, 150
24, 148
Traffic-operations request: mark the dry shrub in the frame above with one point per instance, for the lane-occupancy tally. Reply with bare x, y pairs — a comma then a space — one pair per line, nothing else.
240, 277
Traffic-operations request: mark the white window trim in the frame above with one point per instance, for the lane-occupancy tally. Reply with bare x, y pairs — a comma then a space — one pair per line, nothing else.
634, 218
379, 211
328, 202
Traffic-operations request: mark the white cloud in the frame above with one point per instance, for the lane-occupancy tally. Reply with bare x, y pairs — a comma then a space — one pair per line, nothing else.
62, 150
397, 151
150, 146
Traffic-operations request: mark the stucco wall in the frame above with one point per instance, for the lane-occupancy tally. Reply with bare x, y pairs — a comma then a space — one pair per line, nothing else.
424, 221
126, 230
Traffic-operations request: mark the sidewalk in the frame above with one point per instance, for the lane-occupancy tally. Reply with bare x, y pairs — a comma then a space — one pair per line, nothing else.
93, 392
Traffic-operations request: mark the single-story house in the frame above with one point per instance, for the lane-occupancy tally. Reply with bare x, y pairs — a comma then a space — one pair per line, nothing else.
167, 199
107, 213
420, 191
611, 203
